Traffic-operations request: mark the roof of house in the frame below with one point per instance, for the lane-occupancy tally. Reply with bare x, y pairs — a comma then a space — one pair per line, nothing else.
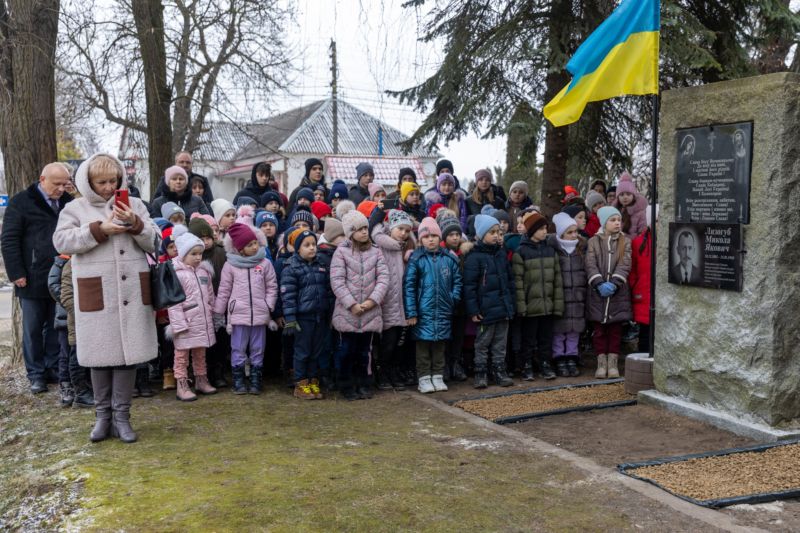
219, 141
387, 169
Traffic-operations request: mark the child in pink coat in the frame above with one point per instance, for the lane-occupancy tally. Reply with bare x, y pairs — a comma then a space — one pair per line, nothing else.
191, 321
248, 292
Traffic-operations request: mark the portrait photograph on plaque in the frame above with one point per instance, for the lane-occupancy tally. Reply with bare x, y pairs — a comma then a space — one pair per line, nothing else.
706, 255
712, 182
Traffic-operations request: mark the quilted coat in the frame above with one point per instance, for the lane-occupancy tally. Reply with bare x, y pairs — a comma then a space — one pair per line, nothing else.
190, 321
114, 318
573, 278
247, 294
393, 253
609, 259
305, 288
639, 278
355, 277
488, 284
537, 279
432, 290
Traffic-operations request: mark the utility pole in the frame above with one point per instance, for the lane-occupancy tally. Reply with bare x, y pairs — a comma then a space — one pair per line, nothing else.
334, 84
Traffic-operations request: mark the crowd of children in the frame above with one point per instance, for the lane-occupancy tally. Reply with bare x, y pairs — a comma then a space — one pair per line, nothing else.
388, 292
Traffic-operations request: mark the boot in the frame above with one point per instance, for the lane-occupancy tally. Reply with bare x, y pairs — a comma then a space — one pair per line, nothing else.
458, 373
602, 366
67, 393
384, 383
184, 392
547, 371
527, 372
216, 375
143, 383
572, 367
480, 379
202, 385
613, 372
398, 383
561, 368
364, 389
501, 376
121, 394
438, 383
410, 377
303, 391
169, 382
238, 380
447, 374
83, 396
315, 389
101, 380
256, 376
347, 389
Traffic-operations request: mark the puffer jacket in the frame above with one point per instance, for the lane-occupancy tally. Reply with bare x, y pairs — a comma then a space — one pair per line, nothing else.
488, 284
573, 277
357, 276
191, 321
537, 279
305, 288
609, 259
248, 294
394, 254
54, 286
432, 289
639, 279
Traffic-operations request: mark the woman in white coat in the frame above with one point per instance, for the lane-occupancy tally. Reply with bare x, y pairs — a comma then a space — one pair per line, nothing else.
114, 321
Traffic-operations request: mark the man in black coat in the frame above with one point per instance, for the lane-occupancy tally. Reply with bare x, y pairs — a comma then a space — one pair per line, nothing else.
28, 252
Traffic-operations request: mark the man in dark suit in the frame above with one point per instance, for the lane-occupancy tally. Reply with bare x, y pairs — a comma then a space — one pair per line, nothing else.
685, 272
27, 247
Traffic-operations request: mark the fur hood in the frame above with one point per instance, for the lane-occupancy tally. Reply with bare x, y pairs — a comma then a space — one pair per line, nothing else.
433, 196
82, 180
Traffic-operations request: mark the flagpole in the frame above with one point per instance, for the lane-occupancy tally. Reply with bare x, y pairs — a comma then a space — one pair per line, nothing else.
653, 202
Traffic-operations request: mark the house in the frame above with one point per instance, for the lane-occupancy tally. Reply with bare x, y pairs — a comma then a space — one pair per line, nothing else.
227, 151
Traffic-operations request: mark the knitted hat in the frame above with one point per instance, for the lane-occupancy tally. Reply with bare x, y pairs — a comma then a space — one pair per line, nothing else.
306, 193
170, 208
333, 229
501, 216
484, 173
532, 222
428, 226
302, 215
606, 212
246, 200
219, 207
241, 235
449, 225
563, 222
444, 163
175, 169
433, 209
310, 162
521, 185
270, 196
362, 168
167, 238
445, 177
321, 209
626, 184
344, 207
375, 188
178, 230
200, 228
162, 223
298, 236
186, 243
406, 171
484, 223
266, 216
366, 208
399, 218
570, 192
353, 221
338, 190
593, 198
208, 218
406, 188
572, 210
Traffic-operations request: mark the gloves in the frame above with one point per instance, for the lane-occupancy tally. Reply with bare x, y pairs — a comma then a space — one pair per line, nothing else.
606, 289
218, 320
291, 328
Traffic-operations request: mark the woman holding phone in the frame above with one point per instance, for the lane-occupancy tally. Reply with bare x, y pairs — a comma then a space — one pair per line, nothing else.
114, 324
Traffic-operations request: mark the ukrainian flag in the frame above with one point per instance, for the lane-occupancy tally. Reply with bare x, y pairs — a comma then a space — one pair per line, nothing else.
620, 57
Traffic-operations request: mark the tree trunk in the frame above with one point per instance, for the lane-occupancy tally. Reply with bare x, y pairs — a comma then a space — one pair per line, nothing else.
28, 30
149, 18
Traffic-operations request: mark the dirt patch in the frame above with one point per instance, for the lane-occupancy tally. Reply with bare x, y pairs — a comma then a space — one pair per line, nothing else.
727, 476
544, 401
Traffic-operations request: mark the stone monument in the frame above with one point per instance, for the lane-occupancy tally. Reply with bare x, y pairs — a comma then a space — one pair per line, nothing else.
737, 353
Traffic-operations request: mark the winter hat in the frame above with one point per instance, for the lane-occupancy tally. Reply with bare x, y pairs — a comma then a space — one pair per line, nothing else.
521, 185
219, 207
241, 235
443, 213
570, 192
245, 200
428, 226
433, 209
186, 243
375, 188
170, 208
367, 207
271, 196
593, 198
443, 177
246, 215
353, 221
444, 163
162, 223
362, 168
302, 215
448, 225
649, 215
333, 229
338, 190
310, 162
532, 222
606, 212
626, 184
484, 173
306, 193
399, 218
175, 169
571, 210
406, 188
611, 189
598, 182
406, 171
178, 230
298, 236
488, 209
208, 218
344, 207
563, 221
266, 216
167, 238
321, 209
501, 216
484, 223
200, 228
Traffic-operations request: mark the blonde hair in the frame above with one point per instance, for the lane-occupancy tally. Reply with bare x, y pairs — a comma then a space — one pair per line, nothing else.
105, 163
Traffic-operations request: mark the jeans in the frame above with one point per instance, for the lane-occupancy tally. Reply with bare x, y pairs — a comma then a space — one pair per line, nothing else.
491, 338
40, 347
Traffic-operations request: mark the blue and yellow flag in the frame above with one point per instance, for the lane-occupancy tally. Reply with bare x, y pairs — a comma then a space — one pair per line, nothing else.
620, 57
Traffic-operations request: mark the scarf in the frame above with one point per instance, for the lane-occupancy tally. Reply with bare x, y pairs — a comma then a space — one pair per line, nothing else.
240, 261
568, 246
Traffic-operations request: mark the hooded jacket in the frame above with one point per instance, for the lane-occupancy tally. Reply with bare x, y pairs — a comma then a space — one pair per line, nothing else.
394, 253
355, 277
191, 321
537, 280
253, 189
639, 279
248, 295
306, 183
186, 200
609, 259
488, 284
54, 286
305, 289
573, 277
431, 291
433, 196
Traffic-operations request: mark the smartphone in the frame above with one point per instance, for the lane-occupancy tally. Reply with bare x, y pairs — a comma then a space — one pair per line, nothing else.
121, 197
390, 204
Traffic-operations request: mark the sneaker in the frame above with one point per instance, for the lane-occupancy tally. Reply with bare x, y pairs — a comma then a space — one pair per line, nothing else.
501, 377
547, 371
302, 390
425, 385
561, 368
314, 386
438, 383
383, 381
38, 386
527, 372
398, 383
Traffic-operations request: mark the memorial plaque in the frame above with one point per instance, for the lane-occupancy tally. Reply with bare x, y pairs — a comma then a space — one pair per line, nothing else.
712, 182
706, 255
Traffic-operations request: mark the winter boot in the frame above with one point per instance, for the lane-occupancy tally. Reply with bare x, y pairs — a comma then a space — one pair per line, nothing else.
602, 366
315, 389
169, 382
121, 393
83, 396
425, 385
216, 373
613, 372
561, 368
398, 383
256, 377
572, 367
364, 388
347, 389
547, 371
527, 372
410, 377
184, 391
481, 382
458, 373
382, 377
438, 383
239, 386
302, 390
101, 380
501, 377
143, 383
203, 386
67, 393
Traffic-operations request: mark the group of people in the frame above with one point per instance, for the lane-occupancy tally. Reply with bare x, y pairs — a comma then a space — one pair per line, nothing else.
342, 288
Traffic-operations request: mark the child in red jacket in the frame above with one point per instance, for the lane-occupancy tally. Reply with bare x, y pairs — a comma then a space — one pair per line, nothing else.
639, 280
